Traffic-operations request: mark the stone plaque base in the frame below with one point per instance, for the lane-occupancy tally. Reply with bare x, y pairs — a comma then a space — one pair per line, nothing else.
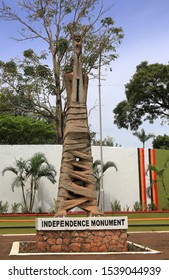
69, 241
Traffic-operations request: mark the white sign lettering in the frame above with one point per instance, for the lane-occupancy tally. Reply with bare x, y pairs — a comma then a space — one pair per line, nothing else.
90, 223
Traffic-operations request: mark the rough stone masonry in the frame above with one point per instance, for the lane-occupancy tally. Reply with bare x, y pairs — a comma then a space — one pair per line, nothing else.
82, 241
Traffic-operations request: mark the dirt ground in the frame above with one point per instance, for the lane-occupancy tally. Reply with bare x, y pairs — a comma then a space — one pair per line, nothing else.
158, 241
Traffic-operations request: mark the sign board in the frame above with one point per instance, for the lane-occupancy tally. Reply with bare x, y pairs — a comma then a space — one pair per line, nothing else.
89, 223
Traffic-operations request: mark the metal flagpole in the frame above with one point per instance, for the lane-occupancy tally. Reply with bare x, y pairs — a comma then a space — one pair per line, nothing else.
101, 139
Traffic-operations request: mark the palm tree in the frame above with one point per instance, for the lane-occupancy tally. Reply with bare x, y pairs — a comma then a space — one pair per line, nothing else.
20, 179
38, 167
142, 136
31, 171
97, 173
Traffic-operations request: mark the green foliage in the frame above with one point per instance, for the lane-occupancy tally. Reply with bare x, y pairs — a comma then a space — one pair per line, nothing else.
137, 206
29, 172
25, 130
62, 45
161, 142
107, 141
29, 53
147, 96
101, 46
15, 207
151, 207
4, 207
27, 86
97, 168
115, 205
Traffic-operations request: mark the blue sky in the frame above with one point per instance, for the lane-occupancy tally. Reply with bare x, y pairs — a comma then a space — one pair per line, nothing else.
146, 27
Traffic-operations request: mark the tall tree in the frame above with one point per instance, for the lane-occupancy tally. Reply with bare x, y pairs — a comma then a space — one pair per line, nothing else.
147, 97
27, 87
161, 142
142, 136
15, 130
47, 20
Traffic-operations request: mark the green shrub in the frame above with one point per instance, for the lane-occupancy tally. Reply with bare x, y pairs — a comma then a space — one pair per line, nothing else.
151, 207
15, 207
137, 206
115, 205
4, 207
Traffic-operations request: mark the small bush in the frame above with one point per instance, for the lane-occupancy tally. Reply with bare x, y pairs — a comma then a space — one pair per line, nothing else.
137, 206
4, 207
115, 205
15, 208
151, 207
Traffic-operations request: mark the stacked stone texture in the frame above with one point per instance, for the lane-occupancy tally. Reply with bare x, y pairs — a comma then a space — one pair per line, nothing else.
82, 241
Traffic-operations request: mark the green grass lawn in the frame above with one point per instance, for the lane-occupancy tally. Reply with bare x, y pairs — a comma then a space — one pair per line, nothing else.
26, 224
17, 224
147, 225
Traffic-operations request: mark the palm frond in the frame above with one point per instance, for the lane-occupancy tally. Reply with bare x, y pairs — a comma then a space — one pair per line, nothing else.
44, 171
20, 163
51, 178
35, 163
153, 168
109, 164
9, 168
96, 163
17, 182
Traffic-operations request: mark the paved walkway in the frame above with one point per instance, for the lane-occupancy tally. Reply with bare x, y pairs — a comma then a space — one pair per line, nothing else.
158, 241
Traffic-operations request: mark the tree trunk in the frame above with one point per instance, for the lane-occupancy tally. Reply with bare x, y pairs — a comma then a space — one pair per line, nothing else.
24, 198
59, 115
31, 195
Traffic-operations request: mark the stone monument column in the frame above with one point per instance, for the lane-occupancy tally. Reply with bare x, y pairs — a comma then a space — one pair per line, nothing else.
77, 183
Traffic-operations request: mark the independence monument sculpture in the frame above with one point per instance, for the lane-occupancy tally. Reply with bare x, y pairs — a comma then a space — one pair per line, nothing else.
77, 183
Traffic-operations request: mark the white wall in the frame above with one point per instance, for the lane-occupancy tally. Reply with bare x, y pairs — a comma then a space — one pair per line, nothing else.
122, 185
